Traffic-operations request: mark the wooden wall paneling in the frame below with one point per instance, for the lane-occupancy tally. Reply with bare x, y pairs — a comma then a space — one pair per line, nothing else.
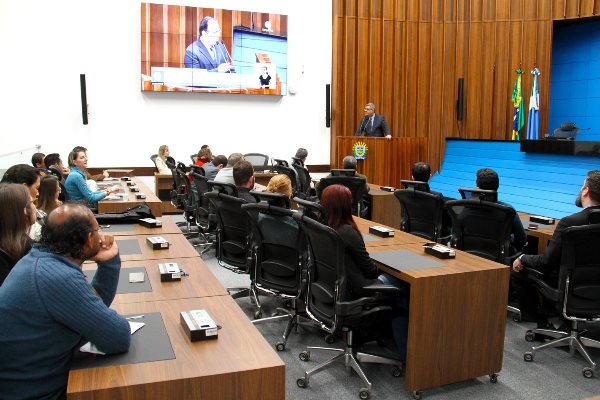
544, 9
435, 130
489, 11
596, 10
463, 11
412, 10
400, 8
449, 11
476, 11
502, 10
530, 10
227, 30
388, 10
423, 87
474, 74
437, 11
488, 80
559, 9
462, 51
350, 8
374, 82
586, 8
504, 76
544, 54
425, 11
390, 74
410, 109
351, 60
399, 92
516, 10
572, 9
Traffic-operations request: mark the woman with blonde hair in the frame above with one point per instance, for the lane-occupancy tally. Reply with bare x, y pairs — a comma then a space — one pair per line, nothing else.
161, 160
280, 183
17, 215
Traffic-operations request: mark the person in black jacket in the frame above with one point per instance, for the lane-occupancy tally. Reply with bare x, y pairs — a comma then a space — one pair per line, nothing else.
360, 270
243, 176
549, 262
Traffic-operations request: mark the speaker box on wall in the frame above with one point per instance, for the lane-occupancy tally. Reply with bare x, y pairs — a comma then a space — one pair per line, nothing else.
84, 112
328, 105
460, 101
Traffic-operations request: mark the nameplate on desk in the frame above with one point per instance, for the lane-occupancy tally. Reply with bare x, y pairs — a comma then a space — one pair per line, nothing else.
439, 251
140, 195
542, 220
129, 183
157, 242
169, 272
134, 189
387, 188
150, 222
125, 178
381, 231
198, 325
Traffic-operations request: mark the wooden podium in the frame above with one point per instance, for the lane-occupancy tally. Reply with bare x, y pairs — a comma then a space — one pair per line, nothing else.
388, 160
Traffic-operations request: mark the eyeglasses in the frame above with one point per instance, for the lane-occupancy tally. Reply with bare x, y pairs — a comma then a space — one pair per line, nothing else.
214, 32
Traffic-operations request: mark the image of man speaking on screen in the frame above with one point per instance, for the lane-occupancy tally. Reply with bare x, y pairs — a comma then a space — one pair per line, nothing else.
208, 52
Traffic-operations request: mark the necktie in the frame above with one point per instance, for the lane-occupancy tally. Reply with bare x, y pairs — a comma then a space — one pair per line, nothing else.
212, 53
372, 118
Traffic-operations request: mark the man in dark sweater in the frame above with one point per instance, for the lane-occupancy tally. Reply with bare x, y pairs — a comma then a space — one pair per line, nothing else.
243, 176
47, 306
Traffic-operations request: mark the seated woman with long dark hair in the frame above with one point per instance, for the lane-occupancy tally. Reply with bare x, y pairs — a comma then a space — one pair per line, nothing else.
17, 215
48, 197
360, 270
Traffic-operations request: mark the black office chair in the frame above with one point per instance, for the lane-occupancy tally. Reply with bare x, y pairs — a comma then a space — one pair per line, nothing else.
291, 173
226, 188
311, 210
418, 185
198, 169
482, 228
180, 187
273, 199
343, 172
279, 253
328, 305
233, 238
356, 184
260, 162
304, 179
421, 213
487, 195
6, 264
203, 219
277, 161
153, 158
194, 158
577, 296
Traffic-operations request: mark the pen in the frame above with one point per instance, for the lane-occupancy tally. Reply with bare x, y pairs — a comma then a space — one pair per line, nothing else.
136, 317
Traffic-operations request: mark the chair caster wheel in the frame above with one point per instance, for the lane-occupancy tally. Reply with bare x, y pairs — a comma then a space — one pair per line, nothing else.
417, 394
304, 356
301, 382
588, 372
280, 346
258, 314
494, 378
528, 356
363, 394
529, 336
329, 339
396, 372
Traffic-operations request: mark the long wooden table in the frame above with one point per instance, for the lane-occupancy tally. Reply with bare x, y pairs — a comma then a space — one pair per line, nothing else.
129, 200
543, 232
163, 184
240, 364
201, 282
168, 227
385, 207
457, 315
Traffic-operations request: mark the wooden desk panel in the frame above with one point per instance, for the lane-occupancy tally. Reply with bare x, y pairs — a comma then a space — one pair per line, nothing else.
106, 206
543, 232
179, 247
263, 178
457, 319
169, 227
240, 364
385, 207
117, 173
201, 282
163, 184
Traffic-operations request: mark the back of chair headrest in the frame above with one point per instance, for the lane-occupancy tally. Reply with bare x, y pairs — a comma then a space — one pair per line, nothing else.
567, 126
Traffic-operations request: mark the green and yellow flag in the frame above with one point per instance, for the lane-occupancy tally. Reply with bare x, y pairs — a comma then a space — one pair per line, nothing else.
519, 115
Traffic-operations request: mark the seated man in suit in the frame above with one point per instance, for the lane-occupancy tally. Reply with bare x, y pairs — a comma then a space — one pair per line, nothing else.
243, 175
211, 169
549, 262
422, 172
349, 162
373, 124
487, 179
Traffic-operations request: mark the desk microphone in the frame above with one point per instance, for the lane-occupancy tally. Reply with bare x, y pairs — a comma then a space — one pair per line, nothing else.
226, 55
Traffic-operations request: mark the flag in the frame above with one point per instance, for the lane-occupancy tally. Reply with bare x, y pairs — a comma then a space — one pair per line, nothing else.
533, 120
517, 99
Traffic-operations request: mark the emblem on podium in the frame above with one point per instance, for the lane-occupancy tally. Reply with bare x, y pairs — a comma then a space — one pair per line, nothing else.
359, 150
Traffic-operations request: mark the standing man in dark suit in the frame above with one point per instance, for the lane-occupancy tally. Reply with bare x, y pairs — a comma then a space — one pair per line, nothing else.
373, 124
549, 262
208, 52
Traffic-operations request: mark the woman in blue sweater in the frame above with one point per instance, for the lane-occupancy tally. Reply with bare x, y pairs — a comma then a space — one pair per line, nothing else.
76, 184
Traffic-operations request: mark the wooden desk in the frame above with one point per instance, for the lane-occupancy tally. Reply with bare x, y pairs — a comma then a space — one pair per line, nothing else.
179, 247
163, 184
385, 207
117, 173
201, 282
543, 232
398, 238
456, 321
106, 206
240, 364
169, 227
263, 178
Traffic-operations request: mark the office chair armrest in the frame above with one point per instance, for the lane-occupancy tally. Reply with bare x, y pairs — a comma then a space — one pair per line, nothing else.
382, 288
534, 273
355, 306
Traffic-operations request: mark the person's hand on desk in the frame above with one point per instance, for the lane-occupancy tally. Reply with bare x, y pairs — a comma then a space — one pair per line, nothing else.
105, 173
225, 67
108, 249
388, 136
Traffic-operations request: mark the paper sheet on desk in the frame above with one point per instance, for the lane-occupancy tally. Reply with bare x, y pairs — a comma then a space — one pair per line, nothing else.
90, 347
113, 197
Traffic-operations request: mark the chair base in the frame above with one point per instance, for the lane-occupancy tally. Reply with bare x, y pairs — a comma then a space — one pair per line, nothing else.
351, 360
573, 339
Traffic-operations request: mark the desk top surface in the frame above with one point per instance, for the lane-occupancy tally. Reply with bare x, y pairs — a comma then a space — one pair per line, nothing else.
239, 348
376, 241
179, 247
201, 282
168, 227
